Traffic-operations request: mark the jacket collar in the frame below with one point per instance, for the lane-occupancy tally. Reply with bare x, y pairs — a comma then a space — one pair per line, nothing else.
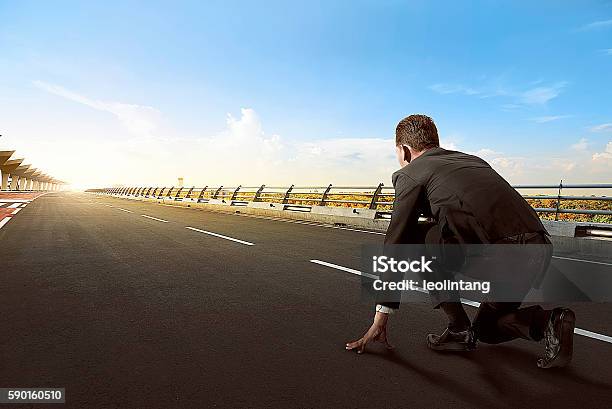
428, 152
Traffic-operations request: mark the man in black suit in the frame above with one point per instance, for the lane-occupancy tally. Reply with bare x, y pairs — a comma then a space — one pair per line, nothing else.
470, 204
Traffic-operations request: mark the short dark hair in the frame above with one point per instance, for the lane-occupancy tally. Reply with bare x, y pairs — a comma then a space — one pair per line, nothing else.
417, 131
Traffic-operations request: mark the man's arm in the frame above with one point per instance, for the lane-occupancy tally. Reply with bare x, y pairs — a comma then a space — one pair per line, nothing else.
409, 196
403, 228
407, 208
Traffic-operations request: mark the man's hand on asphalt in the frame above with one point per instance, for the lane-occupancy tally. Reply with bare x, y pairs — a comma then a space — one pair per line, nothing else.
377, 332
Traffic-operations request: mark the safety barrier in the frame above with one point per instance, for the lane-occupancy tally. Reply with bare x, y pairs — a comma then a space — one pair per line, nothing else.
379, 198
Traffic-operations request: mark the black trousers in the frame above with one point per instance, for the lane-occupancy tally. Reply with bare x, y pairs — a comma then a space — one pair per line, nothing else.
495, 321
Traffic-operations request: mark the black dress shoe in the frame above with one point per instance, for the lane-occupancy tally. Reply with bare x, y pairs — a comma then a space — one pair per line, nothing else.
452, 341
558, 339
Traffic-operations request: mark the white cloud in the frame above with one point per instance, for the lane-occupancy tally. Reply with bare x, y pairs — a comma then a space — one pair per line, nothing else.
508, 166
578, 164
605, 156
138, 119
602, 128
486, 153
542, 95
581, 145
597, 25
549, 118
539, 95
607, 51
243, 153
569, 166
442, 88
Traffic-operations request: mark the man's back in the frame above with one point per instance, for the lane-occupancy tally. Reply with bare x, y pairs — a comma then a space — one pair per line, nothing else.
470, 201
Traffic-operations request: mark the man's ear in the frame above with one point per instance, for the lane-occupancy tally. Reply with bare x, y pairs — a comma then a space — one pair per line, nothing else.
407, 154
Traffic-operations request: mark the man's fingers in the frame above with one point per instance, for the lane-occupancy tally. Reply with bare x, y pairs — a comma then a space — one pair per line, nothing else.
354, 344
359, 345
374, 333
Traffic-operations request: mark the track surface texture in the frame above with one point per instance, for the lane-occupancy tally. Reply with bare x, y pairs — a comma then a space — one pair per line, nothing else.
128, 311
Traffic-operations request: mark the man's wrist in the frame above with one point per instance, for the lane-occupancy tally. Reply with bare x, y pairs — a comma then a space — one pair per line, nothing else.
384, 309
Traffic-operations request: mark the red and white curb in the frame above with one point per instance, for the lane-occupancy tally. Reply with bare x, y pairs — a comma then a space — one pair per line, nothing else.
16, 206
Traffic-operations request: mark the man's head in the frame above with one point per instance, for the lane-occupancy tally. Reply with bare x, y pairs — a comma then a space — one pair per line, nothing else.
413, 136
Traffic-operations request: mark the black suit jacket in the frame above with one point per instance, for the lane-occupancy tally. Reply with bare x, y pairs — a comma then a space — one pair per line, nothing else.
470, 202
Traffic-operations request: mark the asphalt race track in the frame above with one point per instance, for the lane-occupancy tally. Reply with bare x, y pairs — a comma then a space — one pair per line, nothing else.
124, 306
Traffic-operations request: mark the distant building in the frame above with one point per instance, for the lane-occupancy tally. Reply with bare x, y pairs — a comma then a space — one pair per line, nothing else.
181, 182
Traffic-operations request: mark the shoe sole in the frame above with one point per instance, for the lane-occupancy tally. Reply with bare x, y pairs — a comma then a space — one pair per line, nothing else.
566, 350
450, 347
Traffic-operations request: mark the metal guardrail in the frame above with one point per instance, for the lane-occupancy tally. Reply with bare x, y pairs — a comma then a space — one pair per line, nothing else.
378, 197
559, 198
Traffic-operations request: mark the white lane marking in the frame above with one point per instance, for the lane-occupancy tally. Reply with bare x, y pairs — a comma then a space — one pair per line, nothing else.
345, 269
16, 211
594, 335
583, 261
4, 221
15, 205
155, 218
124, 210
221, 236
476, 304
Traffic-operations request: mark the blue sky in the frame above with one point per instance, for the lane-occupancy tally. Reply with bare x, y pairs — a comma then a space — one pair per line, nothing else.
303, 92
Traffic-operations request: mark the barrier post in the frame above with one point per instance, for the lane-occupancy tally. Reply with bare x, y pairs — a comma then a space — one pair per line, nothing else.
258, 193
287, 193
202, 192
188, 195
558, 200
235, 193
375, 196
324, 196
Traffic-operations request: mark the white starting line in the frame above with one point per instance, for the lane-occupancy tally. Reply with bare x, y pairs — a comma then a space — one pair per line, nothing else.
155, 218
221, 236
4, 221
582, 261
577, 331
13, 205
